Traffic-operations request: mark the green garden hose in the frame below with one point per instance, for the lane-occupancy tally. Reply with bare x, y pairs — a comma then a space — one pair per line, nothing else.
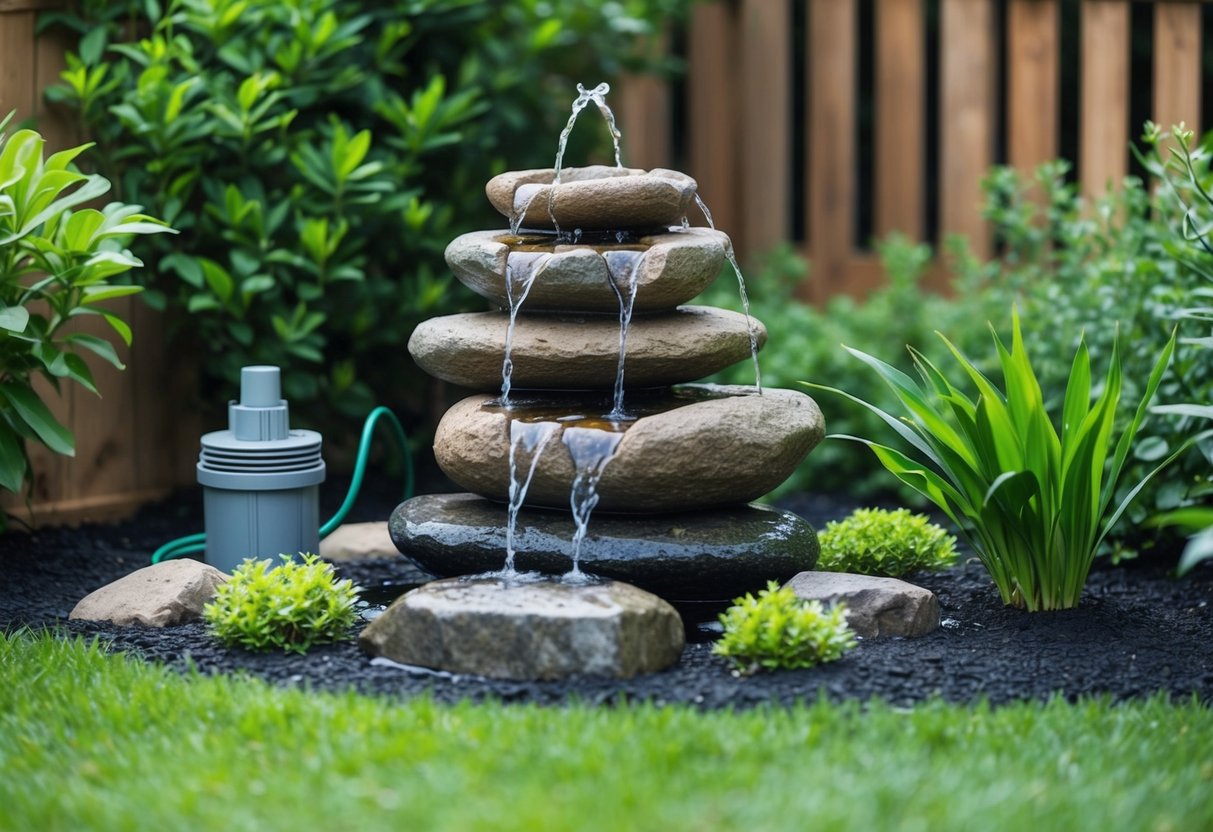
197, 542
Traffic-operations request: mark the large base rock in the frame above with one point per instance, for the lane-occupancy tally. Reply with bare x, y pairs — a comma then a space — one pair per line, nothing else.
161, 595
713, 555
875, 606
718, 452
528, 631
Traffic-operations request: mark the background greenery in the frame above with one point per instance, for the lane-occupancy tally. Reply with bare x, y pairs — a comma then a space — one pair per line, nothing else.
318, 155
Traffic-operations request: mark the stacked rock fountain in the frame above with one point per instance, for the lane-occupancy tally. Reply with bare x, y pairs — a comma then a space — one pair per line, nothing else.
585, 407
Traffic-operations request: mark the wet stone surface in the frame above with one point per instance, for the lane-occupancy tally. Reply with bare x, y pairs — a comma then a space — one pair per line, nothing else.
719, 554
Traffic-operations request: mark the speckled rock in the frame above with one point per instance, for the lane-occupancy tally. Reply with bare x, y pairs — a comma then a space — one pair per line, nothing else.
528, 630
718, 554
593, 198
676, 267
570, 351
875, 606
164, 594
715, 452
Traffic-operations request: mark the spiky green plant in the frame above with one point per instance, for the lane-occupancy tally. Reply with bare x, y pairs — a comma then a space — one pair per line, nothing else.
1032, 501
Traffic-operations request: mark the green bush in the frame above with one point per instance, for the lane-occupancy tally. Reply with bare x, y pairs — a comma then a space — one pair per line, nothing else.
875, 541
57, 263
291, 606
777, 630
318, 155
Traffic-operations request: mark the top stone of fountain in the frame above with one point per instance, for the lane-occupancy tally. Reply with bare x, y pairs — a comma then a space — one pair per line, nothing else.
594, 198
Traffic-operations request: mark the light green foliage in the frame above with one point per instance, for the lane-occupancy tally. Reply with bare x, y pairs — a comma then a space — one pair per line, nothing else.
1187, 173
146, 748
290, 606
58, 261
875, 541
318, 156
779, 631
1033, 501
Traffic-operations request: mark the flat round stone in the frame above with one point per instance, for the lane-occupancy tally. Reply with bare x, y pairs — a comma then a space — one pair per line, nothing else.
674, 268
594, 198
710, 555
563, 352
720, 451
528, 631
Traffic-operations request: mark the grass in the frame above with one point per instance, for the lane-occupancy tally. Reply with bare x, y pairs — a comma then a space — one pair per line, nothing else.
96, 741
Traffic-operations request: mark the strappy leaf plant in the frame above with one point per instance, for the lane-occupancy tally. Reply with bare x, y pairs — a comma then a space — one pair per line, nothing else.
1033, 501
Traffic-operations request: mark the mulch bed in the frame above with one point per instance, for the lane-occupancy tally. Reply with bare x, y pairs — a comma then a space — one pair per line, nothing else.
1137, 631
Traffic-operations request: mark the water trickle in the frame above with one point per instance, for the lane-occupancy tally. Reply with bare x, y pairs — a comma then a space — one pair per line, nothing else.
524, 195
521, 268
745, 297
623, 270
584, 97
527, 441
591, 450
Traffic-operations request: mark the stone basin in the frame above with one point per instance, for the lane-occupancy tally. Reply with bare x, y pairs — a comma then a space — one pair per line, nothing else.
728, 449
676, 267
582, 351
594, 198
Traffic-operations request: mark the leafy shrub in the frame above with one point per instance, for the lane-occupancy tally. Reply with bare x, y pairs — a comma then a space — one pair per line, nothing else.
318, 155
875, 541
778, 630
292, 606
1031, 500
56, 265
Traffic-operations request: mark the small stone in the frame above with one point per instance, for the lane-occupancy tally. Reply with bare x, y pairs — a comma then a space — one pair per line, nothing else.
164, 594
875, 606
713, 555
562, 352
676, 267
594, 198
359, 541
722, 451
528, 630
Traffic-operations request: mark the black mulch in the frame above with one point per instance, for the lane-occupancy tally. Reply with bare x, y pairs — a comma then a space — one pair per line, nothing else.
1137, 631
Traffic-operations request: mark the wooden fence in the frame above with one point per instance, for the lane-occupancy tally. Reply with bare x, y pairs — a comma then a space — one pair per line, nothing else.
777, 94
136, 442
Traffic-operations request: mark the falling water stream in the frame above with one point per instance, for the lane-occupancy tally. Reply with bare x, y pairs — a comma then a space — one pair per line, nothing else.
623, 270
591, 449
527, 440
521, 268
745, 297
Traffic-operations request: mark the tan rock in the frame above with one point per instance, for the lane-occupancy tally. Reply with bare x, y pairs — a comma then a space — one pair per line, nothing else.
359, 541
594, 198
875, 606
161, 595
570, 351
528, 631
676, 267
715, 452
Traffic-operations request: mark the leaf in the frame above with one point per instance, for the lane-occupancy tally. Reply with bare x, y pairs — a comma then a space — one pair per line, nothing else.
14, 318
96, 294
98, 346
13, 462
35, 414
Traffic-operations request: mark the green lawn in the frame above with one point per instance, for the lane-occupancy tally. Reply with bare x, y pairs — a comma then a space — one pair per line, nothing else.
90, 741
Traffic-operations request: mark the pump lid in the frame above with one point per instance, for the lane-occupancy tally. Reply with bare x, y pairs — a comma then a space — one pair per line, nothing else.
261, 414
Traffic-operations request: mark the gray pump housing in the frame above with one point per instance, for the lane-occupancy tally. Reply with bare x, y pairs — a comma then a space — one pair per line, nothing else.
261, 480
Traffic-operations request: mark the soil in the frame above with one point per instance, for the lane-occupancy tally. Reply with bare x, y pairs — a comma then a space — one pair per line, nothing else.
1137, 630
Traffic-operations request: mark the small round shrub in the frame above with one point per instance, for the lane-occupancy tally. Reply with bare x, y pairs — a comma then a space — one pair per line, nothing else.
779, 630
292, 606
875, 541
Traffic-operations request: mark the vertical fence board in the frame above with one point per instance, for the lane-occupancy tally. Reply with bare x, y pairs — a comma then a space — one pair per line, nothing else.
1104, 76
712, 122
17, 63
1033, 53
967, 116
1177, 64
831, 144
900, 84
644, 110
766, 136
